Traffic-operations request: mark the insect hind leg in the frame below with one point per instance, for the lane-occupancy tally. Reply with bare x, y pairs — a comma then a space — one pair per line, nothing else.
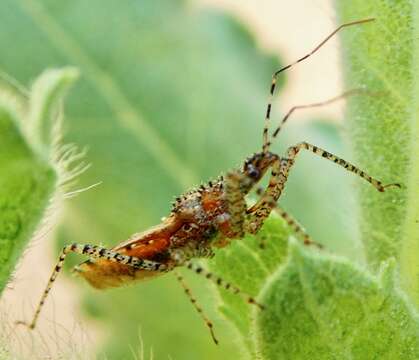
94, 252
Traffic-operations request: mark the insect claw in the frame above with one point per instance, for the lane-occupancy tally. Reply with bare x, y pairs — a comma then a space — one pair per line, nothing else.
213, 336
260, 306
390, 185
254, 302
24, 323
310, 242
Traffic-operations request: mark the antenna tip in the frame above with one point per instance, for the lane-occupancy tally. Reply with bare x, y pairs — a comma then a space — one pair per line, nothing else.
369, 19
358, 22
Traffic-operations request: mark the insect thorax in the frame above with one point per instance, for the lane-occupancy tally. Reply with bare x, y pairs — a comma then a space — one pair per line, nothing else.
205, 214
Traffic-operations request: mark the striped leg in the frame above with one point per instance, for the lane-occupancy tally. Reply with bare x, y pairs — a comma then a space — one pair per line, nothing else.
224, 284
266, 143
294, 150
296, 227
236, 184
94, 252
196, 306
261, 210
278, 179
276, 183
292, 223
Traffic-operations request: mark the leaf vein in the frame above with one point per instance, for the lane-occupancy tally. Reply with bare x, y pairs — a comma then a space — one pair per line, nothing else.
126, 114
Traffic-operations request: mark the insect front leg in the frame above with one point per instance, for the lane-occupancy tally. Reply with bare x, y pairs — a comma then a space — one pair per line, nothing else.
279, 176
257, 214
236, 185
294, 150
93, 252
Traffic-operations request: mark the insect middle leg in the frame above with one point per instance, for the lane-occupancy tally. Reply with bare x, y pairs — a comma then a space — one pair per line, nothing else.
219, 282
191, 298
222, 283
291, 222
295, 226
94, 252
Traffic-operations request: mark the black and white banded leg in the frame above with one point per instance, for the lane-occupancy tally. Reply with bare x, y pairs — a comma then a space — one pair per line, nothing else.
97, 252
222, 283
192, 299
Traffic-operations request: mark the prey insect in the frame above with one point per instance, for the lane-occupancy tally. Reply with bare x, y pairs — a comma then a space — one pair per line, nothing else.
208, 217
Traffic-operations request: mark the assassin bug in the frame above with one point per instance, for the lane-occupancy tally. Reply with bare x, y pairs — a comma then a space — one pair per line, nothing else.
207, 217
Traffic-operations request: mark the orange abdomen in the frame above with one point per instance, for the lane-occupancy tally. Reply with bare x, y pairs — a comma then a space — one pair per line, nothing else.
150, 245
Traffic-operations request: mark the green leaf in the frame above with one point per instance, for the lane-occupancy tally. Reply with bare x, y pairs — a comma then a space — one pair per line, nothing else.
30, 172
323, 307
384, 130
44, 108
317, 306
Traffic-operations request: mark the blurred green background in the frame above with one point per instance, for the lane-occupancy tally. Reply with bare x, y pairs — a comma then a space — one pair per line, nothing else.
170, 95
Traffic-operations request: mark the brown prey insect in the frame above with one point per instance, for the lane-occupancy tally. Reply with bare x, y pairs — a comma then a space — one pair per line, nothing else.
207, 217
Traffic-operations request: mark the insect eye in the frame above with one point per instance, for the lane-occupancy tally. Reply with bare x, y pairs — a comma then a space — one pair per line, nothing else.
253, 172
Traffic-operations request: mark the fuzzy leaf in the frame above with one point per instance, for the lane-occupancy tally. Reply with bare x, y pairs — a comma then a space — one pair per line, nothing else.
316, 306
322, 307
29, 175
44, 102
245, 264
384, 130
